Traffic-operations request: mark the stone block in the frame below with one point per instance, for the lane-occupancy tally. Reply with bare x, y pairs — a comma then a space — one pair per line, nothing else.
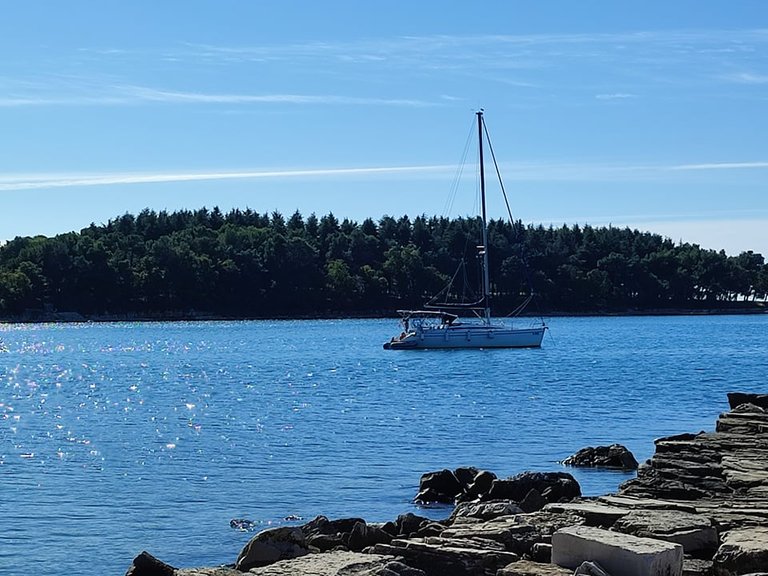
742, 551
617, 553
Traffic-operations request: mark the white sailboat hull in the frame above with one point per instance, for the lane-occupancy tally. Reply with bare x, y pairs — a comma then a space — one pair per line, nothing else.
470, 336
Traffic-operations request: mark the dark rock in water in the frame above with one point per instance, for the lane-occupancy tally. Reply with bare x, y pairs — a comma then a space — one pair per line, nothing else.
552, 486
466, 476
242, 524
735, 399
479, 486
613, 456
147, 565
441, 486
272, 545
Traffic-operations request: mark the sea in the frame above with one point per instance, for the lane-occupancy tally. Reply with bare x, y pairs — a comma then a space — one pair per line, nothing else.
122, 437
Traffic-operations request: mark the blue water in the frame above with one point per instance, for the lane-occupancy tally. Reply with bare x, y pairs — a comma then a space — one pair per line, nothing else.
116, 438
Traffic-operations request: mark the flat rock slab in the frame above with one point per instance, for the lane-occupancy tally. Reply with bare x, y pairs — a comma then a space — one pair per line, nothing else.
694, 532
594, 513
742, 551
616, 552
449, 557
218, 571
325, 564
634, 502
528, 568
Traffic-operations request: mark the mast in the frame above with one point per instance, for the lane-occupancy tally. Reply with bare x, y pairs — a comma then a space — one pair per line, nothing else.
484, 248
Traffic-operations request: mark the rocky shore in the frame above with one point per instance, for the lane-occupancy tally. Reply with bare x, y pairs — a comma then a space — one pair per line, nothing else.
698, 507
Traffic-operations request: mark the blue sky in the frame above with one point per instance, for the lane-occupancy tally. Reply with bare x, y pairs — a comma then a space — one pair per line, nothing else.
649, 114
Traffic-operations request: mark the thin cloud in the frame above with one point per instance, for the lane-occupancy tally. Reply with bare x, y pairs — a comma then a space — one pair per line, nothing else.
153, 95
32, 182
33, 101
512, 171
721, 166
748, 78
615, 96
131, 95
490, 50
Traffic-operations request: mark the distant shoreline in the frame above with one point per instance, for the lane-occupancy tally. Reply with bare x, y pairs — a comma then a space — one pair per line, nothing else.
34, 317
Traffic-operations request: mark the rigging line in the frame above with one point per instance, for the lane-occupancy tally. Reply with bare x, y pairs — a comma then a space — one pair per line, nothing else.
498, 174
521, 307
517, 229
467, 223
448, 208
447, 289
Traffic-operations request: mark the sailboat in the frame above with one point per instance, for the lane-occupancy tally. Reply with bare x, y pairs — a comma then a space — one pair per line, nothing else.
436, 327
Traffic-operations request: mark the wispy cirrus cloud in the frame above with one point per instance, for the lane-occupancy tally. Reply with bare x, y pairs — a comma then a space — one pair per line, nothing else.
545, 171
132, 95
747, 78
154, 95
499, 51
43, 181
615, 96
721, 166
540, 62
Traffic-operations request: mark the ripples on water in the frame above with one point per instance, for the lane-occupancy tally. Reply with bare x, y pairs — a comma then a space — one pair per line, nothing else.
121, 437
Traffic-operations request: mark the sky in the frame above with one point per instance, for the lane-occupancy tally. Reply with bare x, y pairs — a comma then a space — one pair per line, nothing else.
646, 114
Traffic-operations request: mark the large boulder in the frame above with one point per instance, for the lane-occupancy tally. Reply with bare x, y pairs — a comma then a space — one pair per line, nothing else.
551, 487
449, 486
613, 456
441, 486
269, 546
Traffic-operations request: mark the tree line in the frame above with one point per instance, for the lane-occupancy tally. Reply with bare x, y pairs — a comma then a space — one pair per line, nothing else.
247, 264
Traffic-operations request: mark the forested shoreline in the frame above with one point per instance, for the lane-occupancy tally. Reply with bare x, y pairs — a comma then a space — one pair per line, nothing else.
245, 264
